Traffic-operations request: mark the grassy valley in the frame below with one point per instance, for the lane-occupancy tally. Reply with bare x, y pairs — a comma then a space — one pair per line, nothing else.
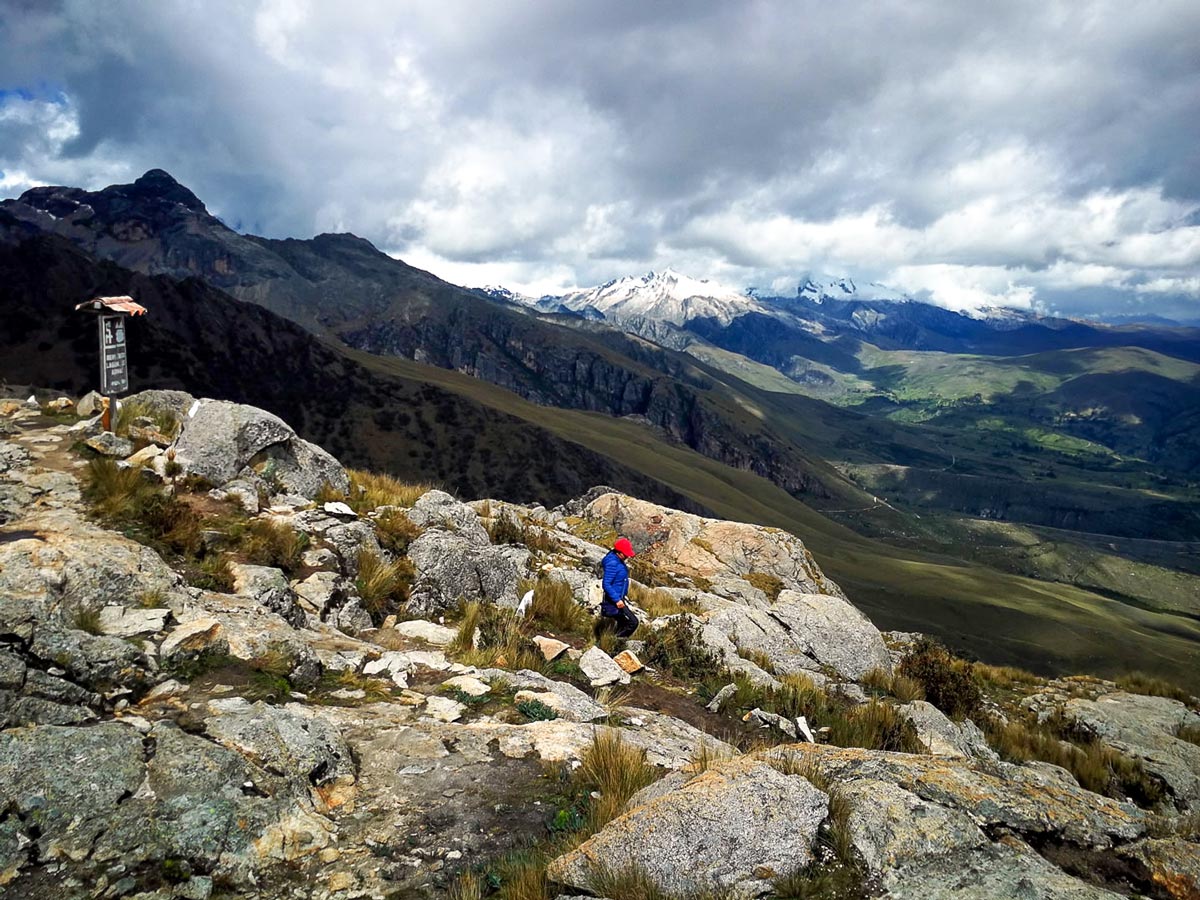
999, 616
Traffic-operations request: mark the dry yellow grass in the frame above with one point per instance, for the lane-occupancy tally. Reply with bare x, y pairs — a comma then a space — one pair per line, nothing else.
371, 490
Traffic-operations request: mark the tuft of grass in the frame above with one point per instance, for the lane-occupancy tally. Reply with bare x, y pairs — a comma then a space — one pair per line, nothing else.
1189, 733
903, 688
265, 542
370, 490
1005, 677
634, 883
505, 529
759, 658
678, 648
115, 492
375, 690
1094, 765
948, 682
875, 726
395, 530
768, 584
616, 771
1141, 683
502, 639
164, 420
383, 586
468, 624
212, 573
327, 493
122, 498
152, 598
705, 756
554, 604
656, 602
467, 887
87, 618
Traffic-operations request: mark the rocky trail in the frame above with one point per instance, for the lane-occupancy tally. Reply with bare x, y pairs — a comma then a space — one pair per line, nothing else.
181, 718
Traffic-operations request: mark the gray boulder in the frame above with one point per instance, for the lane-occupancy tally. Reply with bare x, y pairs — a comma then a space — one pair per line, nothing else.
348, 539
437, 509
831, 631
300, 468
890, 826
600, 668
942, 737
1145, 728
565, 699
303, 748
450, 567
108, 444
990, 872
173, 403
221, 438
269, 587
732, 828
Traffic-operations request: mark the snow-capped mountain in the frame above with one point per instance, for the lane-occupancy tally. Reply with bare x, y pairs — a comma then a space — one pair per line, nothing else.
819, 288
666, 296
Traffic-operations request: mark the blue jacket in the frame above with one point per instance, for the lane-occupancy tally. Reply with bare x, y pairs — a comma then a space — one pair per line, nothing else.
615, 581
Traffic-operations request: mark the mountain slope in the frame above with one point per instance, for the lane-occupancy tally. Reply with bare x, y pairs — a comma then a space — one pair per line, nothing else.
197, 339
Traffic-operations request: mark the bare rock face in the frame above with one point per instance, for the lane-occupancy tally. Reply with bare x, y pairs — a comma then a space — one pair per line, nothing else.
942, 737
1145, 728
221, 440
1023, 799
437, 509
714, 547
732, 828
451, 567
806, 633
268, 586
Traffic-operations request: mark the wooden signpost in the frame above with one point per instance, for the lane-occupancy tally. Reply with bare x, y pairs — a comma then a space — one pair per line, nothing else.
112, 314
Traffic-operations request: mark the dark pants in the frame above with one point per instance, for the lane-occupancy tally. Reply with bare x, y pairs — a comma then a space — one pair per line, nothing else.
624, 622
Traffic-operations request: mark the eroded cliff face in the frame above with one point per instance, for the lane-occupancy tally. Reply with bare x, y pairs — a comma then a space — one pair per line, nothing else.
191, 718
663, 393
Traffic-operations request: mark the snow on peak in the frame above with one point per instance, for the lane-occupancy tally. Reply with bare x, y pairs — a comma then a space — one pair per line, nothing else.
819, 288
667, 296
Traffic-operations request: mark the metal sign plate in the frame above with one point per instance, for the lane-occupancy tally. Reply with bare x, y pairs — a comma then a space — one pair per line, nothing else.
114, 362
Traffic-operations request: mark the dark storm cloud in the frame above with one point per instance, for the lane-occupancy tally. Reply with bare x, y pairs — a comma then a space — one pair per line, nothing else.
1021, 153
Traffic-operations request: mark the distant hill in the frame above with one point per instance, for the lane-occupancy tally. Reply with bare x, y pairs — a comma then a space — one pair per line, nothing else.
199, 339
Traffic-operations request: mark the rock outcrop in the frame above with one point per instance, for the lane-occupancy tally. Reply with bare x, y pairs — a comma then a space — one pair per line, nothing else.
266, 735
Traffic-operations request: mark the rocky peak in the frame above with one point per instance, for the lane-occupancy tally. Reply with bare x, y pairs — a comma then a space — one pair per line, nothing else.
158, 184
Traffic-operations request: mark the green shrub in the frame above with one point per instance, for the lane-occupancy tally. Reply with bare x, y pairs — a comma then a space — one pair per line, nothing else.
678, 648
948, 682
536, 710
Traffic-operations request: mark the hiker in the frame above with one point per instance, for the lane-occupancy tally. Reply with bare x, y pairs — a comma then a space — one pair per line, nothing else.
614, 611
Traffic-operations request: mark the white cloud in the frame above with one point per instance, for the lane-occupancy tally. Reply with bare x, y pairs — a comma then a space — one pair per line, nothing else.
1001, 154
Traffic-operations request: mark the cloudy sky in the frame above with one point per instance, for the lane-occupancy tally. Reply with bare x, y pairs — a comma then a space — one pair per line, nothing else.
1036, 153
